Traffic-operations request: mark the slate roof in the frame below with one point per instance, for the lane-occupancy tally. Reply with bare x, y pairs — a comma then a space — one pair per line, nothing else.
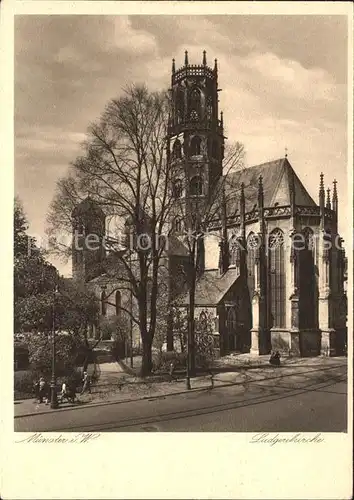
212, 287
276, 176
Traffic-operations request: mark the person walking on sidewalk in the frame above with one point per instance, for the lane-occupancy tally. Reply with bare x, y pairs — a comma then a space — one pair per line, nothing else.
86, 383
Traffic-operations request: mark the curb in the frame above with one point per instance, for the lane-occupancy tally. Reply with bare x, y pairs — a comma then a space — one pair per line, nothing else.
158, 396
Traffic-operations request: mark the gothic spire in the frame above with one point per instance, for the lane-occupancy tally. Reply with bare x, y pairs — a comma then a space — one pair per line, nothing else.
322, 191
328, 202
204, 58
335, 194
186, 58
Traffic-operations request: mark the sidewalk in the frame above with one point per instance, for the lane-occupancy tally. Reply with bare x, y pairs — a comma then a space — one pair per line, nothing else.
116, 386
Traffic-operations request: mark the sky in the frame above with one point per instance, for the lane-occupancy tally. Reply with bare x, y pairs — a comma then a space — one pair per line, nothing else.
283, 81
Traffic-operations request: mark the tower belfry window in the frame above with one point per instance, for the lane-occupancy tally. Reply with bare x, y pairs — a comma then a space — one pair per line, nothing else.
195, 145
194, 116
178, 188
196, 187
177, 149
195, 100
180, 102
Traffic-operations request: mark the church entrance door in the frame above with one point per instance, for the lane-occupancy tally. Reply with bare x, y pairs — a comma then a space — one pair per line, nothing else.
233, 337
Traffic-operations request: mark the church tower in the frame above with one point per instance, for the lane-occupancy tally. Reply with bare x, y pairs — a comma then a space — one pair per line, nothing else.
196, 138
88, 231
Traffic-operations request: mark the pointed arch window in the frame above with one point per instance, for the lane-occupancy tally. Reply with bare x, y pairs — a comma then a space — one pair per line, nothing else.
178, 225
180, 103
195, 147
195, 101
118, 303
209, 109
194, 116
307, 282
203, 321
103, 303
178, 188
234, 250
277, 278
177, 149
196, 187
252, 243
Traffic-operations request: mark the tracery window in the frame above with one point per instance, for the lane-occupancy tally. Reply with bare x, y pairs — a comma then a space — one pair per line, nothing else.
196, 187
195, 145
307, 282
178, 188
277, 278
178, 224
195, 101
234, 251
177, 149
180, 103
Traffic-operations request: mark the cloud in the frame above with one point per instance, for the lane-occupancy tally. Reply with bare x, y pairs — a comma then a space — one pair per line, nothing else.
276, 92
291, 77
137, 42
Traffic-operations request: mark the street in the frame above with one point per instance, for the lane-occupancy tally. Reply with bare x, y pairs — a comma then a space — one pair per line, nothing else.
295, 403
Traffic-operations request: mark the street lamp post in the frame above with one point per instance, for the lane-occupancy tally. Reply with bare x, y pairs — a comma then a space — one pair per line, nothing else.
188, 360
53, 386
131, 317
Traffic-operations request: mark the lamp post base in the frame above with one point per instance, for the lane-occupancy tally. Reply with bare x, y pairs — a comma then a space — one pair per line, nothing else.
53, 396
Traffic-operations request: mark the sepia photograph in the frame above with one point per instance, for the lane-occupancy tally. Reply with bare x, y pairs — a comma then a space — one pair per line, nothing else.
180, 223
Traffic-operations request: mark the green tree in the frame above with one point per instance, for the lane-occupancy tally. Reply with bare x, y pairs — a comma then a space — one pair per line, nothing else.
20, 229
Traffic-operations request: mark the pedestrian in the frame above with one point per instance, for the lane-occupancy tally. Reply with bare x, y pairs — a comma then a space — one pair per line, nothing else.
42, 390
64, 393
275, 358
86, 383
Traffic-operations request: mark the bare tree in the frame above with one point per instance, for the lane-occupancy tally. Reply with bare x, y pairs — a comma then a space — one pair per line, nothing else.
124, 169
195, 215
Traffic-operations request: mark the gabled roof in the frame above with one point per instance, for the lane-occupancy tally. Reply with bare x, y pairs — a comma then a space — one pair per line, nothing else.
211, 287
276, 176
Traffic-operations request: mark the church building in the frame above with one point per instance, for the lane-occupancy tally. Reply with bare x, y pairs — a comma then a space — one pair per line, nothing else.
271, 265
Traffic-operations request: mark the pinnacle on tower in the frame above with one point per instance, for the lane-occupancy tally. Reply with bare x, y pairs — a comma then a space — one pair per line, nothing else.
321, 191
335, 194
173, 66
186, 58
328, 202
260, 190
204, 58
216, 66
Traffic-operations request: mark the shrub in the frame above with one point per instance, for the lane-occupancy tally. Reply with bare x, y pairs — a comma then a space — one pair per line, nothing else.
40, 353
163, 360
23, 383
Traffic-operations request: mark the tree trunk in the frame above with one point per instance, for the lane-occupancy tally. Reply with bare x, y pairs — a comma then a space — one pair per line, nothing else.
191, 323
146, 365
